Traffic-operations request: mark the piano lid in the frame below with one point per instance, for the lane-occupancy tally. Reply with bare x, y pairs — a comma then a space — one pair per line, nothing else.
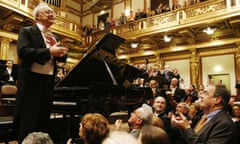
100, 65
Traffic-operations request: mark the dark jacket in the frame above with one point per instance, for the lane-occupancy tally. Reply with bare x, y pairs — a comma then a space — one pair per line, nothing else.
218, 130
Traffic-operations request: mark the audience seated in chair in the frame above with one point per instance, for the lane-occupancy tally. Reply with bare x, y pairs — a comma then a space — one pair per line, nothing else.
9, 74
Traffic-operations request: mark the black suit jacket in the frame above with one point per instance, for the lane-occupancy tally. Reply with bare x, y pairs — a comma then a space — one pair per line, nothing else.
218, 130
34, 90
5, 75
32, 48
179, 95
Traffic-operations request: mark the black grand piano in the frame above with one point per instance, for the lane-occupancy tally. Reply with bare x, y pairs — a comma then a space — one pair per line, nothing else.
99, 83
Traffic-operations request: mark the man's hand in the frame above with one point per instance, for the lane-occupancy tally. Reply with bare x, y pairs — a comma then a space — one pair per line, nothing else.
180, 121
118, 124
50, 38
57, 50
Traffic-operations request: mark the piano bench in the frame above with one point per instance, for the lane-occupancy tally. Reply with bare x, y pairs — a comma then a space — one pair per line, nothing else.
6, 128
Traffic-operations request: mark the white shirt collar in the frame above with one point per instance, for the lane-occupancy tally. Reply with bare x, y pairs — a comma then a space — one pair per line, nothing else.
41, 27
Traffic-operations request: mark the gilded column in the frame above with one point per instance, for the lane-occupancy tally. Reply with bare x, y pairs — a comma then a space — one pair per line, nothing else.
238, 63
159, 60
5, 45
237, 59
194, 64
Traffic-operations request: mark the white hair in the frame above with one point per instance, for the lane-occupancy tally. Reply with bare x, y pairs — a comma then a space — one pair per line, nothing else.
145, 112
39, 7
120, 137
37, 138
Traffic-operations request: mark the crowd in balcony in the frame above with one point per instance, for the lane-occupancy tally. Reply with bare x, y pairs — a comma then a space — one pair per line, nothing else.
105, 25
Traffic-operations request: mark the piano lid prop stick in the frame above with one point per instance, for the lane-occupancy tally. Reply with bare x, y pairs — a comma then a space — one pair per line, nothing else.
108, 69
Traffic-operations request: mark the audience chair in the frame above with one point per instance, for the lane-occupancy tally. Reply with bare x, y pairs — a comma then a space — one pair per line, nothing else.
8, 96
7, 104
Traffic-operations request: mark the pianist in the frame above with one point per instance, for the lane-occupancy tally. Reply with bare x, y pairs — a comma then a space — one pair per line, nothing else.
38, 51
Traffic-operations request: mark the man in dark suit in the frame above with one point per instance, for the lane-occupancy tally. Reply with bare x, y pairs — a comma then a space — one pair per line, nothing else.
9, 74
217, 126
179, 95
38, 51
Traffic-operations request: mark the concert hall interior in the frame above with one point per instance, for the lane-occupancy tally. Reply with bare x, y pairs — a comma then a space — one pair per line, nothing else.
116, 47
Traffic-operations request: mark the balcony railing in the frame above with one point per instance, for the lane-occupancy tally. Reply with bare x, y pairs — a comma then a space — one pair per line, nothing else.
25, 7
180, 18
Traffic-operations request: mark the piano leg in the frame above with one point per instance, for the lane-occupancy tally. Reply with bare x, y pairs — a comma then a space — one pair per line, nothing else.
64, 128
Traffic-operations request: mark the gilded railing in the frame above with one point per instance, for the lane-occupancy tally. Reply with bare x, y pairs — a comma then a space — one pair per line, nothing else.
63, 25
204, 12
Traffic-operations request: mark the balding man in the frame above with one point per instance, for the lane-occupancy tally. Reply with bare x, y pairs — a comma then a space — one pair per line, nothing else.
159, 110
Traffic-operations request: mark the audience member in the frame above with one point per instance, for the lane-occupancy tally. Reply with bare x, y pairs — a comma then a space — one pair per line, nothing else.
175, 136
195, 113
157, 122
107, 24
158, 10
201, 88
215, 125
236, 112
178, 94
150, 134
236, 120
123, 18
181, 83
119, 137
94, 128
191, 94
183, 108
176, 74
140, 117
37, 138
168, 74
9, 74
101, 25
130, 20
154, 87
159, 110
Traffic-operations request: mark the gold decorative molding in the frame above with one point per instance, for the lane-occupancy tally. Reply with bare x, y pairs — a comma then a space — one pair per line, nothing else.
5, 45
9, 35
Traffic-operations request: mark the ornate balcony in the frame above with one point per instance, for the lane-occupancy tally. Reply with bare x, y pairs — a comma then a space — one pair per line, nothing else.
18, 13
185, 27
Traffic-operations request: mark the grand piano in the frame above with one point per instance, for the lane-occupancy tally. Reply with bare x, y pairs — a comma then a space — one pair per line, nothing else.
99, 83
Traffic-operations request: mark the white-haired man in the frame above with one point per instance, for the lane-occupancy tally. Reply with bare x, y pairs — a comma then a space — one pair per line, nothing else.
38, 51
140, 117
